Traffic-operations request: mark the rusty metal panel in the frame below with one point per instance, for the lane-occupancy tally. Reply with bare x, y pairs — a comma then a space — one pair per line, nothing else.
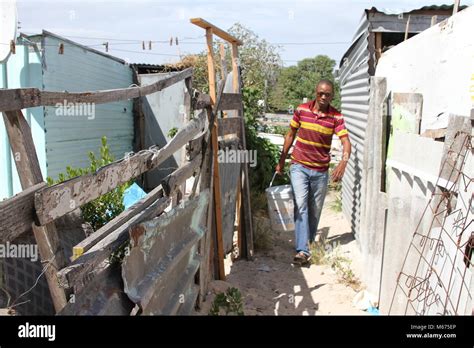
103, 296
229, 174
159, 271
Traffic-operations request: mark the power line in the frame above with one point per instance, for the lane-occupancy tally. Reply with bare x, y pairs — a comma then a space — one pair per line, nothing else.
144, 52
309, 43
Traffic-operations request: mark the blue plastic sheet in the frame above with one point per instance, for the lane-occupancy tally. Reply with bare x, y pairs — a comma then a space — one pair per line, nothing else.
132, 195
373, 310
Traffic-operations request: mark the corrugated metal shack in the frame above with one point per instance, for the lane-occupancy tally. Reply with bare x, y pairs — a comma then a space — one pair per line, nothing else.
378, 31
404, 109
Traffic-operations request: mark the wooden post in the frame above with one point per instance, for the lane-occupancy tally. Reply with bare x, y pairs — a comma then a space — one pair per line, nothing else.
206, 182
407, 28
21, 142
215, 146
378, 47
456, 6
23, 148
236, 89
245, 191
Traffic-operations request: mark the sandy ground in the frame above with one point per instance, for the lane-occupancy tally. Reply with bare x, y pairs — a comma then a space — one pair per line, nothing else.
271, 285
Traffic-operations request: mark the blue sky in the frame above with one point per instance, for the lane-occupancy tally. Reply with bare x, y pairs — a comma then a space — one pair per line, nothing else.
328, 25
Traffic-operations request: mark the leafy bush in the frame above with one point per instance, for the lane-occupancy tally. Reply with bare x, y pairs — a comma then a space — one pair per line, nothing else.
230, 302
103, 209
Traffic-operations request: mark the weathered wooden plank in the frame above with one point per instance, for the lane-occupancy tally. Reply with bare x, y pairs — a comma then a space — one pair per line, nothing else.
20, 98
231, 101
205, 183
217, 31
52, 254
246, 212
212, 92
194, 147
118, 221
58, 200
18, 213
82, 270
23, 148
230, 125
172, 181
236, 89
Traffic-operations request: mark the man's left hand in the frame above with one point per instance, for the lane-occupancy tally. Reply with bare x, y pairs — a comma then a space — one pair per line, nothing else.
338, 172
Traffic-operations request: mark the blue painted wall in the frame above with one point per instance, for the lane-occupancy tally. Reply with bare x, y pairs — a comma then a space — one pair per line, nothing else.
65, 140
70, 138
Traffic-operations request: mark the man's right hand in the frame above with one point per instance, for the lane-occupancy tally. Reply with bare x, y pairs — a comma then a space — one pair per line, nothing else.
279, 169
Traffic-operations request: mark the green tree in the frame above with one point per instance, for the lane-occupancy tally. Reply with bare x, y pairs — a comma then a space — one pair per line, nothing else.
297, 82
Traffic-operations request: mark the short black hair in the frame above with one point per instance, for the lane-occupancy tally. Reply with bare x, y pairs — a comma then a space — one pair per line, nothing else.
326, 82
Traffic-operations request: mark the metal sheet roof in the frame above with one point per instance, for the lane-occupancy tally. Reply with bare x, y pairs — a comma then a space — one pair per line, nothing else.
397, 11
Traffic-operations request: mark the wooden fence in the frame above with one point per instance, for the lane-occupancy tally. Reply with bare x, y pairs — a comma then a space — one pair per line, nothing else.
163, 235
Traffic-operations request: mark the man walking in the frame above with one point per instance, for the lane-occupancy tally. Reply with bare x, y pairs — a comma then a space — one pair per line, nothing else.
315, 122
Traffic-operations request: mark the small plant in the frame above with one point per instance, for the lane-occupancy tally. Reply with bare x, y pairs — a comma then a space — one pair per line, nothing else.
318, 253
172, 132
229, 302
103, 209
342, 267
337, 204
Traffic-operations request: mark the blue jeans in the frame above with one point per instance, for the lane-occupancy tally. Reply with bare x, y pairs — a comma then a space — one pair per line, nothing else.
309, 190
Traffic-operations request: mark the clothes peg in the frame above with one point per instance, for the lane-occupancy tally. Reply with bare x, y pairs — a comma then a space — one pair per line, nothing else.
106, 44
149, 45
143, 45
12, 47
61, 48
176, 40
171, 41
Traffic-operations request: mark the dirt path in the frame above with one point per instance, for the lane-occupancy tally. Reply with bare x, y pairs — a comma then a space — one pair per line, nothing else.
271, 285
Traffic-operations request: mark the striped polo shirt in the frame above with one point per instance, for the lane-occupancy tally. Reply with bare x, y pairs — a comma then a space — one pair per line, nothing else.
314, 137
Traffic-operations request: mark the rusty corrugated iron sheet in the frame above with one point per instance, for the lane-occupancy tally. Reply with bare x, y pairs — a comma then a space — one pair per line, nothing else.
159, 272
103, 296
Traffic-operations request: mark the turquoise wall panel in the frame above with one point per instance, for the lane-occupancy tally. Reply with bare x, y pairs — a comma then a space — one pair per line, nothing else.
71, 132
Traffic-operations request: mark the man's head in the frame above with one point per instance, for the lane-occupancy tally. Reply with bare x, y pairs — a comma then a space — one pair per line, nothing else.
324, 93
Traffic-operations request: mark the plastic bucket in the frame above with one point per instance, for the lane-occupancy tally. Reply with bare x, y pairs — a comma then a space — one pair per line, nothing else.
281, 207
